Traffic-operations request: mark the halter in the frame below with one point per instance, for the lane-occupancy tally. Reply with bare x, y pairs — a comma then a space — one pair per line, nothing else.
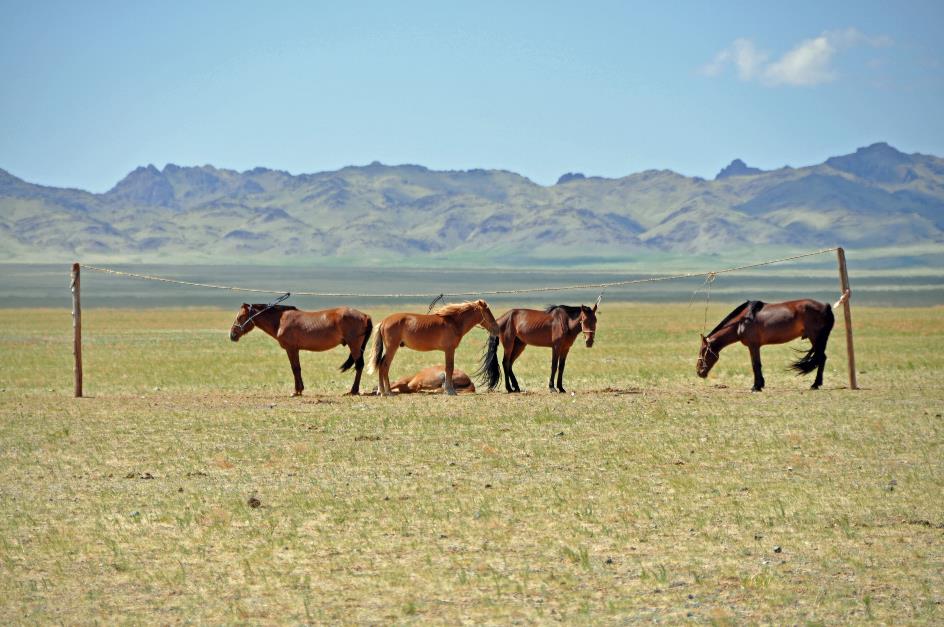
242, 325
708, 349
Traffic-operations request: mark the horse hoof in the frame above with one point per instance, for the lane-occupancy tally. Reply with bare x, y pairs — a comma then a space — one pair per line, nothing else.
756, 389
297, 393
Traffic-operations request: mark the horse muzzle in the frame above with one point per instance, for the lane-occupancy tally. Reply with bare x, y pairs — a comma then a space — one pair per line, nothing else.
234, 336
590, 341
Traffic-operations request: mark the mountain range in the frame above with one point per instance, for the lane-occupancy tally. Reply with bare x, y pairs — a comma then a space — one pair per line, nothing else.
874, 197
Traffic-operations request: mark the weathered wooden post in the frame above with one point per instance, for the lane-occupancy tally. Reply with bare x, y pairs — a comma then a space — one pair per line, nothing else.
77, 329
847, 313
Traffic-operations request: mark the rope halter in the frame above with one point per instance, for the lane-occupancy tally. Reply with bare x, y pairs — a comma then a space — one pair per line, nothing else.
242, 325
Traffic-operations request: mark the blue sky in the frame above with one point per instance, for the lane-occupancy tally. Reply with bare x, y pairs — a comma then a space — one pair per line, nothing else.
92, 90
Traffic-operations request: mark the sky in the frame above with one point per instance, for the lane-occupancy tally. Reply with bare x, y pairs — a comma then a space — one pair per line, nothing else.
91, 90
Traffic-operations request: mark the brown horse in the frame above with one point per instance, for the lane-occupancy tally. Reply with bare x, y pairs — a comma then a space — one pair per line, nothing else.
297, 330
755, 324
442, 331
557, 327
431, 380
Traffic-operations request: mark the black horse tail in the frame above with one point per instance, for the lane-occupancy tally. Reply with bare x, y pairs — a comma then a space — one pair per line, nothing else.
812, 359
350, 361
489, 371
377, 351
808, 363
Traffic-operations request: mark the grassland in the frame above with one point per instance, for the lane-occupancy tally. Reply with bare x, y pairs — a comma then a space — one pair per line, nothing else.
648, 494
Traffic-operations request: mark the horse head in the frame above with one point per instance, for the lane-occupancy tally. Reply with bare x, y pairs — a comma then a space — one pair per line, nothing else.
488, 320
588, 323
707, 358
243, 323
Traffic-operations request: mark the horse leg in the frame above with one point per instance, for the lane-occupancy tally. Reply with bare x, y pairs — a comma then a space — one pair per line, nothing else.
357, 355
820, 346
755, 364
507, 350
516, 351
296, 370
450, 366
818, 381
385, 388
560, 370
554, 358
358, 370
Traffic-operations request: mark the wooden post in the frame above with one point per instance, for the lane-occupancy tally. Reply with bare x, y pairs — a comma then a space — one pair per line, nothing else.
847, 313
77, 329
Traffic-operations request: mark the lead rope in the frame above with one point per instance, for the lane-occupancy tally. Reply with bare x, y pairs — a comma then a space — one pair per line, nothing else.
441, 297
709, 279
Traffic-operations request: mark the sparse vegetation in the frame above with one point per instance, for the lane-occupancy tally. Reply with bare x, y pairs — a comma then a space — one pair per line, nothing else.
647, 494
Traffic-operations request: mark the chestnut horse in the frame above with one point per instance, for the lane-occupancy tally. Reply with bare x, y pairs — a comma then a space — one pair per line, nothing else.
557, 327
431, 379
297, 330
755, 324
442, 330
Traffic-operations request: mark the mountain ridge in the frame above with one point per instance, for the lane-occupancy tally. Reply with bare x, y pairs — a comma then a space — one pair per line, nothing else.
876, 196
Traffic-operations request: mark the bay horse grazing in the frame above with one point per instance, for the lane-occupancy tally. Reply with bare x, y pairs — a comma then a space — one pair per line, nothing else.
297, 330
754, 324
432, 379
556, 327
442, 330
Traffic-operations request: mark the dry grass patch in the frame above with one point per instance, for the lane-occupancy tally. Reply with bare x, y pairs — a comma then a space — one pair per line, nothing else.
191, 487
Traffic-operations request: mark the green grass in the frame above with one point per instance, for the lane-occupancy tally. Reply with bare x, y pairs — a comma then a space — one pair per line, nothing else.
648, 494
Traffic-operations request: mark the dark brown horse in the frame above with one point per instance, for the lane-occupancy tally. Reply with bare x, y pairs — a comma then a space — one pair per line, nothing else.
557, 327
441, 331
755, 324
297, 330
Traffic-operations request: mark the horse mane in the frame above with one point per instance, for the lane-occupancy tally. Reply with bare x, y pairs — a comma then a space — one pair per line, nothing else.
273, 307
452, 308
728, 317
572, 311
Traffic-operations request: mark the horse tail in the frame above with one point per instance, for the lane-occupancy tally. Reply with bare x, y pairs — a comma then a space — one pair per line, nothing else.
347, 363
376, 351
808, 363
812, 359
489, 372
350, 361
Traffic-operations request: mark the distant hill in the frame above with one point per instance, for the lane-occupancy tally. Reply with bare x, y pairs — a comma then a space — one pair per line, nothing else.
874, 197
737, 168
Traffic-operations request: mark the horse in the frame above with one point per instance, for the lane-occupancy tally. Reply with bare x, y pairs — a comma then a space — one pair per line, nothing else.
442, 330
297, 330
755, 324
556, 327
431, 379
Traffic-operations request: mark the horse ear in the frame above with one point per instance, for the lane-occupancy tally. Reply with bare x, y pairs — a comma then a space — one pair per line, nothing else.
245, 304
594, 310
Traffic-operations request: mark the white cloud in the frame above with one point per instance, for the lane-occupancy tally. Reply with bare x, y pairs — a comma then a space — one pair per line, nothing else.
743, 54
807, 63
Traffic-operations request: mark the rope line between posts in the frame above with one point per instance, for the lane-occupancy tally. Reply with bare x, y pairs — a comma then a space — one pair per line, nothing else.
529, 290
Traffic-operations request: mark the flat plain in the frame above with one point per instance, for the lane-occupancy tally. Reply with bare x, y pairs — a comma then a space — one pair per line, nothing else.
188, 486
